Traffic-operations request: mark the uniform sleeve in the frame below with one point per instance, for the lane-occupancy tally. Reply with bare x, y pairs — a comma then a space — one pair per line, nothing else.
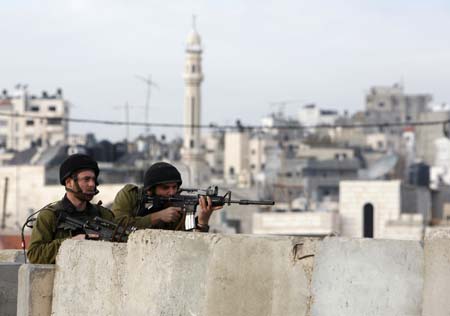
124, 205
43, 248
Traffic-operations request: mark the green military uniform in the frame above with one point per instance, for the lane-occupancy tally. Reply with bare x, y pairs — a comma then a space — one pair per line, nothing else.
129, 202
48, 234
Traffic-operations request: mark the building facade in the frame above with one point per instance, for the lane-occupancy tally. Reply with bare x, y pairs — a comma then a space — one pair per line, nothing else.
27, 120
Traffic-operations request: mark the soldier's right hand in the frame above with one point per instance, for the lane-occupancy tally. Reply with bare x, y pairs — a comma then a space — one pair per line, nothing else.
169, 215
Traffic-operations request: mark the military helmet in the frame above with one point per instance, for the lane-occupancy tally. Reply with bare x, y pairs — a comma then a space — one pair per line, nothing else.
75, 163
159, 173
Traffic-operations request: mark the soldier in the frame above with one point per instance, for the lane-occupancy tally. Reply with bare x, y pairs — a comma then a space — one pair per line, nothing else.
78, 173
161, 179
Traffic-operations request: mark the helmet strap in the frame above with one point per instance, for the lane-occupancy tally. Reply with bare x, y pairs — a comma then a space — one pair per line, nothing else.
78, 193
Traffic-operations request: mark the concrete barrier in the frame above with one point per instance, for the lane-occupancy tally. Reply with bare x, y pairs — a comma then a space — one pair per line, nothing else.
34, 296
368, 277
89, 278
8, 288
177, 273
436, 300
12, 255
209, 274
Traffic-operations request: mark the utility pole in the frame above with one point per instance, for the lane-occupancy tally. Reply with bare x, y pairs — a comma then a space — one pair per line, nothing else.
150, 83
127, 118
5, 199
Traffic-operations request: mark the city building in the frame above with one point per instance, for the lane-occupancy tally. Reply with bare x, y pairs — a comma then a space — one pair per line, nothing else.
390, 104
28, 120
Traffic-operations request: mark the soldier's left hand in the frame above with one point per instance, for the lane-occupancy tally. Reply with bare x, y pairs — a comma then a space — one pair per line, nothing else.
206, 210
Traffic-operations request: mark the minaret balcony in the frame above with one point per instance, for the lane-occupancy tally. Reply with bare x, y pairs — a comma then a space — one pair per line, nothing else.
193, 78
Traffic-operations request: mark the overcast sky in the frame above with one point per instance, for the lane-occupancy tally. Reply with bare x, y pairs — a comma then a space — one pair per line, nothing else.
255, 52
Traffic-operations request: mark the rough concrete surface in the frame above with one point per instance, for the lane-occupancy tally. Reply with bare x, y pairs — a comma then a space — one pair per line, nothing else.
212, 274
368, 277
12, 255
8, 288
179, 273
88, 278
34, 296
436, 291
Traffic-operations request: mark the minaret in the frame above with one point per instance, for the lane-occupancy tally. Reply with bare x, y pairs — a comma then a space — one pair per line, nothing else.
192, 151
193, 78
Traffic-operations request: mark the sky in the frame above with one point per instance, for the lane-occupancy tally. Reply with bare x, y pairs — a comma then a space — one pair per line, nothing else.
255, 52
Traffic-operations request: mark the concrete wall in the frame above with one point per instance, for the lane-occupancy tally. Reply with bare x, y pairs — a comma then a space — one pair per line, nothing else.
12, 255
437, 274
8, 288
296, 223
35, 287
176, 273
367, 277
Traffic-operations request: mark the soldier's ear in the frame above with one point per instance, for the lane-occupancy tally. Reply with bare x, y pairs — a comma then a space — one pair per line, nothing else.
68, 181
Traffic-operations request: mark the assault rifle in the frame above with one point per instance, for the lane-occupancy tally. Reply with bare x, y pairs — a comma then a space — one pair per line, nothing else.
189, 202
105, 229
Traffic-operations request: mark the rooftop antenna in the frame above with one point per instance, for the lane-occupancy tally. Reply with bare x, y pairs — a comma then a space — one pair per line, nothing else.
150, 83
282, 105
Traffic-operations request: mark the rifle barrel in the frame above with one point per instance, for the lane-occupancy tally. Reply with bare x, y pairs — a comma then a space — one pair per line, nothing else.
251, 202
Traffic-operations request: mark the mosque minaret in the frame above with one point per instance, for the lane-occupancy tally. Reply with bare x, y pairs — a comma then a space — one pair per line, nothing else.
192, 153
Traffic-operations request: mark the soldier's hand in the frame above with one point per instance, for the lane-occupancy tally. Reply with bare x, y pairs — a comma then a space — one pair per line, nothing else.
206, 210
169, 215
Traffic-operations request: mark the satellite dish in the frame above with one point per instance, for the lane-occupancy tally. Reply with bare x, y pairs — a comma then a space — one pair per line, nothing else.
380, 168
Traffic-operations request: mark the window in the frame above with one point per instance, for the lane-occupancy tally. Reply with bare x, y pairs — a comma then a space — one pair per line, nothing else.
231, 171
3, 123
191, 144
30, 123
193, 68
34, 108
54, 121
52, 108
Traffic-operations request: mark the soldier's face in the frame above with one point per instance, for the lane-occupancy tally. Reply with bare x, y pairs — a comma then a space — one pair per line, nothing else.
86, 182
166, 189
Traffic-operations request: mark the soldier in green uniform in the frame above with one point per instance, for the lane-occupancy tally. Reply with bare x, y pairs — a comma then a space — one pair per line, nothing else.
161, 179
78, 173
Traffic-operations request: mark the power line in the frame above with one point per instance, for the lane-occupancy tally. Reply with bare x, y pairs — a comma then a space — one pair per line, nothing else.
238, 126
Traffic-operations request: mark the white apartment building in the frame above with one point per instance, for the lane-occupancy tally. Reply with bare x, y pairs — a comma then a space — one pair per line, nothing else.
27, 120
236, 159
311, 114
